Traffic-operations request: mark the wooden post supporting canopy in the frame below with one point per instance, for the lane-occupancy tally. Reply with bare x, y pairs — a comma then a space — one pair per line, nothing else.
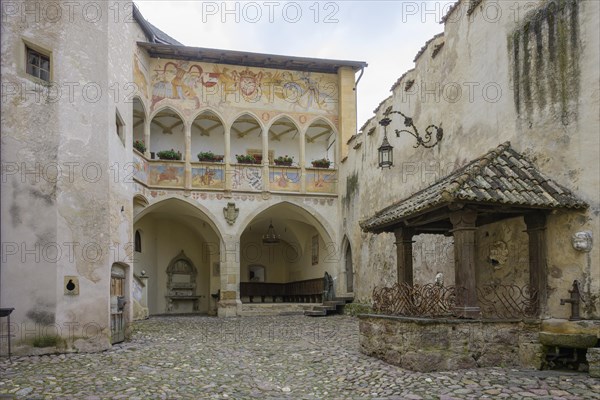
404, 259
463, 222
538, 258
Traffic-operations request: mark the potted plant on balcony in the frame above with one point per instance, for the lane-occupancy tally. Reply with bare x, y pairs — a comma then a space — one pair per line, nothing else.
246, 159
284, 160
209, 156
140, 146
169, 155
321, 163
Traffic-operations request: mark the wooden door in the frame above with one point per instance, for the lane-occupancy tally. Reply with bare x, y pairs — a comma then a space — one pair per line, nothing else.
117, 304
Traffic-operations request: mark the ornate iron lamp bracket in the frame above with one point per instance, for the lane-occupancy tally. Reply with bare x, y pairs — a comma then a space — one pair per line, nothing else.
425, 141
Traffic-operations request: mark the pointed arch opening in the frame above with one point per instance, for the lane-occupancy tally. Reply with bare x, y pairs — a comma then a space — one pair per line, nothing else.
139, 120
284, 142
167, 132
208, 137
321, 144
137, 242
246, 140
348, 265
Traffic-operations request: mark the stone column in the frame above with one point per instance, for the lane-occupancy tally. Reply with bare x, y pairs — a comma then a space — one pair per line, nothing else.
404, 257
229, 304
188, 155
227, 160
464, 228
265, 161
147, 125
538, 258
302, 160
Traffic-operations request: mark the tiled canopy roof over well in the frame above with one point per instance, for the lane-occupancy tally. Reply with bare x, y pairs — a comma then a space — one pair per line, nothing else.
502, 177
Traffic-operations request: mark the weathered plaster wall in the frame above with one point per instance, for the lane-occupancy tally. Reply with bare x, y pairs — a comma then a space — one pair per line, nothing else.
503, 254
471, 80
120, 108
72, 126
30, 217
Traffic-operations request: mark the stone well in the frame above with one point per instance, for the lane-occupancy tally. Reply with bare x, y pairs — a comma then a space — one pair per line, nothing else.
422, 344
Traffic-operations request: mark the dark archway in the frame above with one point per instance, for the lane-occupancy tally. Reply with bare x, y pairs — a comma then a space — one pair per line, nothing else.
349, 269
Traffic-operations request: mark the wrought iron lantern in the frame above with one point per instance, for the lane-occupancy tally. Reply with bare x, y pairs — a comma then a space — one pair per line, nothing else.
386, 152
386, 157
271, 237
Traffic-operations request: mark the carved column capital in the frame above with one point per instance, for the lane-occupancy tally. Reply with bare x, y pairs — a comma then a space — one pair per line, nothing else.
404, 235
463, 219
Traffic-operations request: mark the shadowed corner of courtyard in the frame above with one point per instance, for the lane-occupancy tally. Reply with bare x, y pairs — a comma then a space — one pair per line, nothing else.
283, 357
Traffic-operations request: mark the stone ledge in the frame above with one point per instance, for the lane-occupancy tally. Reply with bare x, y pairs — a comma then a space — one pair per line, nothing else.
427, 321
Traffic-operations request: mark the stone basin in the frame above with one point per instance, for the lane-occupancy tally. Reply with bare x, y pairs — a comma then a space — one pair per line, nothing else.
570, 340
572, 334
587, 326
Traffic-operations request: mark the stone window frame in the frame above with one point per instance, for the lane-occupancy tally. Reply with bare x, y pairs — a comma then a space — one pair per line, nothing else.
26, 46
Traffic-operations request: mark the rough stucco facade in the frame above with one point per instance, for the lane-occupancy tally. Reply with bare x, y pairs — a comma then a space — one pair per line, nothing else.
61, 210
501, 71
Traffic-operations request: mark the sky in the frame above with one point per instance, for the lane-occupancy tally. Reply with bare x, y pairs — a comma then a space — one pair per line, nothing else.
385, 34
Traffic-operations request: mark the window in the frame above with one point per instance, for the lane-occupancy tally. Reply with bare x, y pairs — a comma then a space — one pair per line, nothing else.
120, 127
38, 64
138, 242
256, 273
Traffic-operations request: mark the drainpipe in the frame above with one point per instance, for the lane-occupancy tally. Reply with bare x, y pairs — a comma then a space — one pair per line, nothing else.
362, 71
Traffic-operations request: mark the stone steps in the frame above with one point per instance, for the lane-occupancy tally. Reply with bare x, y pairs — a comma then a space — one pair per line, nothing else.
315, 313
328, 307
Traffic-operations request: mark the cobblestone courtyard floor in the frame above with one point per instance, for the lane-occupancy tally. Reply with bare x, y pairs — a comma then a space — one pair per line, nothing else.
291, 357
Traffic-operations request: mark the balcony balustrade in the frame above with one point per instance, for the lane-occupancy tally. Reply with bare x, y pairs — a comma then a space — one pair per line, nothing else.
221, 176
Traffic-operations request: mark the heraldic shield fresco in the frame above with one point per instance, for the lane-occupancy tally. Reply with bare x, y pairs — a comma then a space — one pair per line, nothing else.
197, 85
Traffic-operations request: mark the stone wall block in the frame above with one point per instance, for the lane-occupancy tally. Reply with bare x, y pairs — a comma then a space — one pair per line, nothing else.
593, 359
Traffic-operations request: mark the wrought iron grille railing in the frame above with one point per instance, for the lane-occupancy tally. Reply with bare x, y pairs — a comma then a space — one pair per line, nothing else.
433, 300
429, 300
507, 301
